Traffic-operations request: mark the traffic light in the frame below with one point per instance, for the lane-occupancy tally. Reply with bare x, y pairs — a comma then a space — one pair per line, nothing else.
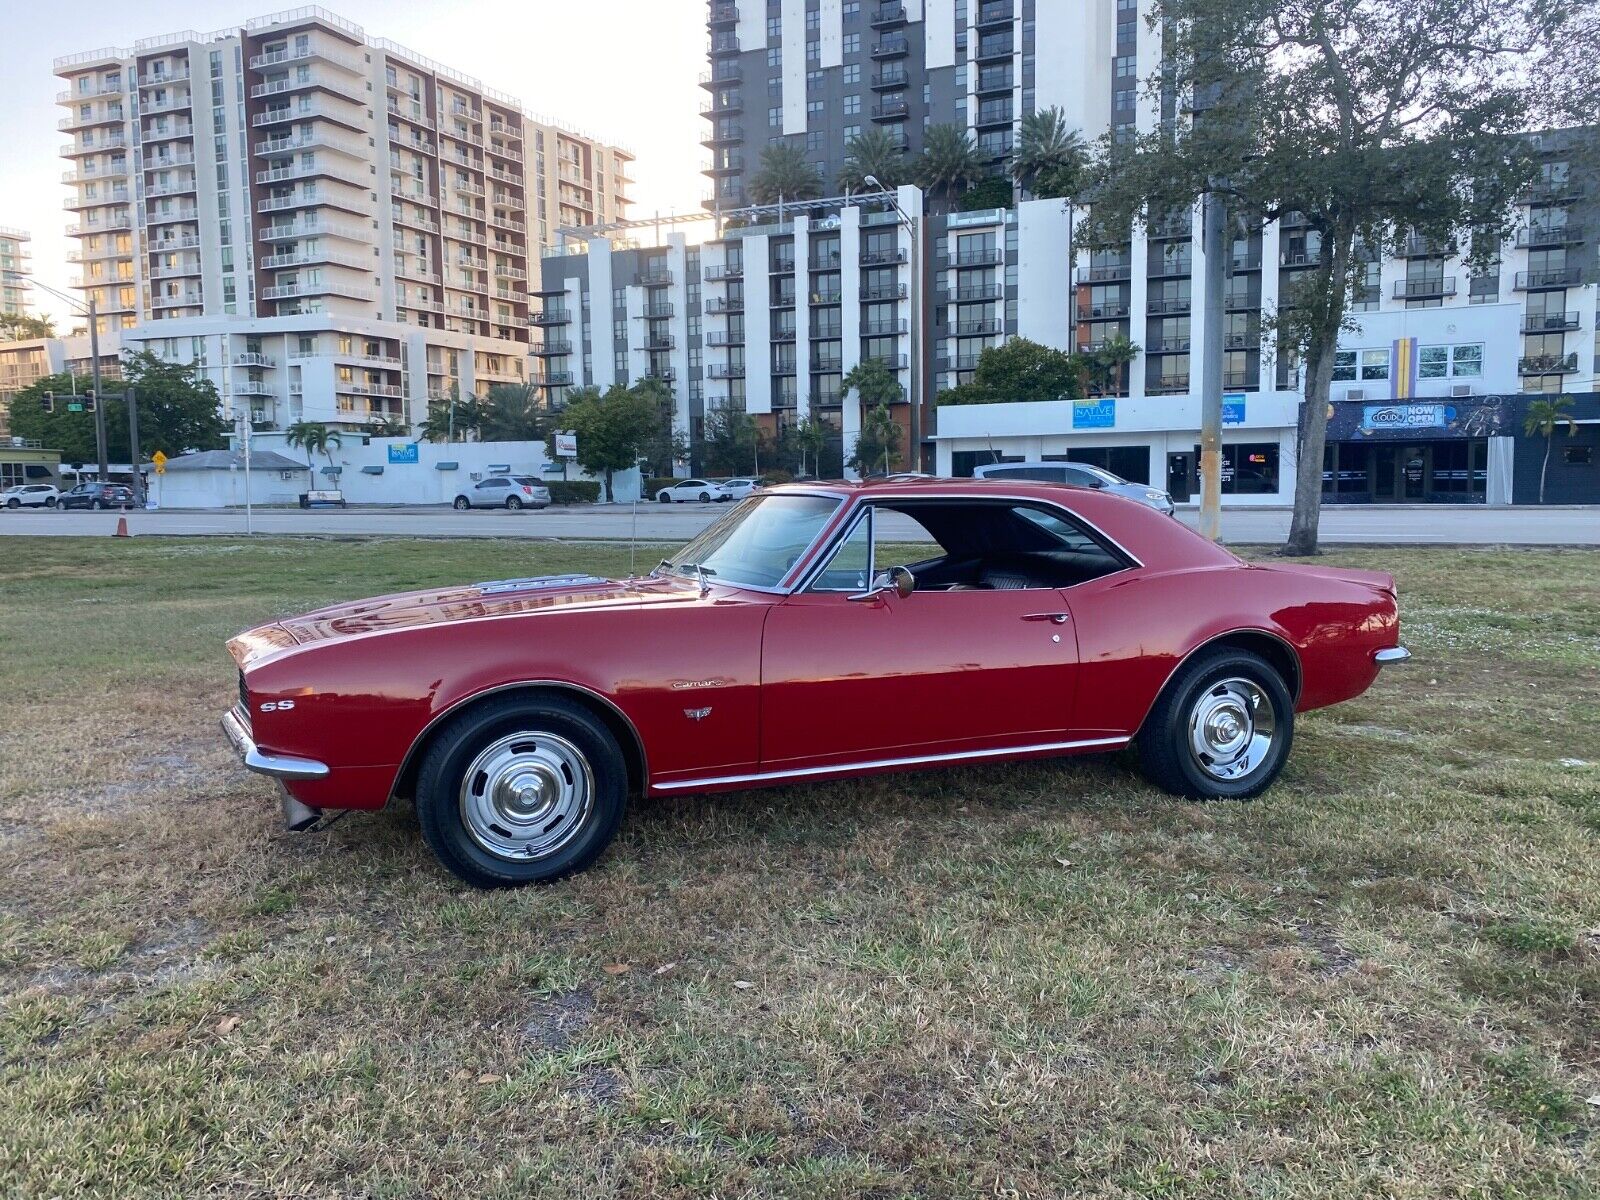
49, 402
88, 401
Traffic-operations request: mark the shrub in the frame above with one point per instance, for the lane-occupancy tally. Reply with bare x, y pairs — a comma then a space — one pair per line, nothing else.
573, 491
777, 475
656, 482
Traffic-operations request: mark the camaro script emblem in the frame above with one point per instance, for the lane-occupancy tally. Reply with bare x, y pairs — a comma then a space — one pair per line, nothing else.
697, 714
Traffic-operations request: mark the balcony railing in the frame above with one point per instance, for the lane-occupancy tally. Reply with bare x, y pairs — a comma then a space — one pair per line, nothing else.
1167, 385
725, 304
653, 279
1168, 345
1547, 364
1103, 312
889, 16
725, 271
1158, 306
892, 291
871, 258
1110, 271
1559, 322
551, 348
724, 337
886, 81
891, 47
1424, 289
1549, 235
725, 371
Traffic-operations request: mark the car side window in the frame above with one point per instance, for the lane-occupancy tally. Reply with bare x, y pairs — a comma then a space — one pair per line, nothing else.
849, 569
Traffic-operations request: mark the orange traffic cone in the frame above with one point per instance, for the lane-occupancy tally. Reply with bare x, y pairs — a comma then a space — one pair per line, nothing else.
122, 525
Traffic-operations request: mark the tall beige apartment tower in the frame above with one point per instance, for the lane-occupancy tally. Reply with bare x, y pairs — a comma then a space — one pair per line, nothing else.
337, 228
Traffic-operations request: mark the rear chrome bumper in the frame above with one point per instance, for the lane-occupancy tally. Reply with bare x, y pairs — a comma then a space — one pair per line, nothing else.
279, 766
1394, 654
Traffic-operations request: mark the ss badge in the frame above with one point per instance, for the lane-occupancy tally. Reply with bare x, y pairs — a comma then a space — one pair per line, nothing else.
277, 706
697, 714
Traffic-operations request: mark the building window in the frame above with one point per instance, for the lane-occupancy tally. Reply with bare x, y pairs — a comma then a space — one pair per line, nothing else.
852, 43
852, 106
852, 73
774, 57
1352, 365
774, 29
813, 51
775, 118
1451, 362
814, 140
815, 108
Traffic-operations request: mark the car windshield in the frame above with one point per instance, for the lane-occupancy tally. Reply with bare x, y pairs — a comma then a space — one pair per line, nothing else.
1101, 473
757, 542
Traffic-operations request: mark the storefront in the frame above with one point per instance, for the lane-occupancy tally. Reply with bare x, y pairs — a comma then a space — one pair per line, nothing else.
1408, 452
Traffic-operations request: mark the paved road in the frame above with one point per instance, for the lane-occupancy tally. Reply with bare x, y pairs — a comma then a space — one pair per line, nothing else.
1439, 525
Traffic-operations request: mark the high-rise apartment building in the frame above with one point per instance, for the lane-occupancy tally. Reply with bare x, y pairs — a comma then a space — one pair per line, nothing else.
337, 227
812, 74
16, 264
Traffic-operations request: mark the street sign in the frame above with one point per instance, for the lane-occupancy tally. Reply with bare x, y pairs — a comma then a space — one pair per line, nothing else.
160, 461
566, 445
75, 406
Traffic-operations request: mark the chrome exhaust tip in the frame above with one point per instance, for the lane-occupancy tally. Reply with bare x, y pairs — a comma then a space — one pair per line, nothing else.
297, 817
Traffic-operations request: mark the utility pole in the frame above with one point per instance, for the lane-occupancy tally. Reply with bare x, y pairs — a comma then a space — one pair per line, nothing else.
99, 403
131, 399
911, 226
1213, 237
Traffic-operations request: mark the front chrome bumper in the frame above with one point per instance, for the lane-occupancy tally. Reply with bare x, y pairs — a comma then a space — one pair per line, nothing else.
279, 766
1394, 654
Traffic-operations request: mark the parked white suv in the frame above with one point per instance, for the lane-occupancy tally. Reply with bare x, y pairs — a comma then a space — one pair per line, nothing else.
738, 489
505, 491
30, 495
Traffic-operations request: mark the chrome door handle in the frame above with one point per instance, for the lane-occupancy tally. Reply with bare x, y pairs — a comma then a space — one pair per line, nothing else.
1057, 618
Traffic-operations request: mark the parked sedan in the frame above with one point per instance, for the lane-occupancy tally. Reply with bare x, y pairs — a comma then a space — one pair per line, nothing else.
96, 495
1080, 475
30, 495
703, 490
505, 491
737, 489
814, 631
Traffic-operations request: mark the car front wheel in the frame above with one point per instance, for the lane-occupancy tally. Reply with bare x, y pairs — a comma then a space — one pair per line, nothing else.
13, 503
664, 498
1221, 729
462, 504
521, 790
97, 505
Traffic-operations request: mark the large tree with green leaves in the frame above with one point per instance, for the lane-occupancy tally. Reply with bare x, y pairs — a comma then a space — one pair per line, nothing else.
178, 411
785, 173
1370, 118
454, 419
950, 162
873, 383
876, 153
1051, 158
612, 429
731, 443
1019, 370
810, 438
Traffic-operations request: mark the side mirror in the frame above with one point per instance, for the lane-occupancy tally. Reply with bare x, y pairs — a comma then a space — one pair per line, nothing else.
900, 581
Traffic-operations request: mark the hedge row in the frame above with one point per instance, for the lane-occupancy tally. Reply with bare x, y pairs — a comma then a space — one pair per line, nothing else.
573, 491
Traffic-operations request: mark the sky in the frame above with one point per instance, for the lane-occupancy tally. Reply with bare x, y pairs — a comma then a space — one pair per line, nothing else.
625, 71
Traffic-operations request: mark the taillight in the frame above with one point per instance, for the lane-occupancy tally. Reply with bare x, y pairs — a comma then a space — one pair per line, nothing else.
527, 491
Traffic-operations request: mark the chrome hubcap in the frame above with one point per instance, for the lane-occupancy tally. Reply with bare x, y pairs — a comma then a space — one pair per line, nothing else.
1231, 729
527, 795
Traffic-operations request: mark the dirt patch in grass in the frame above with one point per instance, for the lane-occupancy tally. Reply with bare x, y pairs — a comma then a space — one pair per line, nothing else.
1381, 979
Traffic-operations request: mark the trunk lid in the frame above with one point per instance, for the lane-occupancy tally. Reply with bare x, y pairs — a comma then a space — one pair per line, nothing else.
1380, 581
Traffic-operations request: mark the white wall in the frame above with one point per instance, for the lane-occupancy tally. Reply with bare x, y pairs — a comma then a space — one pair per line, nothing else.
1044, 280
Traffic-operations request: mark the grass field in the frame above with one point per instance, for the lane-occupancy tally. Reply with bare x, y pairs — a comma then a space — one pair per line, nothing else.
1381, 979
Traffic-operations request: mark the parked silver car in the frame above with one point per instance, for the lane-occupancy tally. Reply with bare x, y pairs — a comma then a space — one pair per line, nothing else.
505, 491
1083, 475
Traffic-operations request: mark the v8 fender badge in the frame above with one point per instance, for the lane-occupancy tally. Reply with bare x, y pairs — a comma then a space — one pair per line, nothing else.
697, 714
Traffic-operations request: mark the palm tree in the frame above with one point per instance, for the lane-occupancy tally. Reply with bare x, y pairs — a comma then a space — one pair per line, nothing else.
877, 153
785, 174
387, 427
1106, 362
314, 438
878, 444
1051, 157
950, 161
1544, 417
512, 413
811, 435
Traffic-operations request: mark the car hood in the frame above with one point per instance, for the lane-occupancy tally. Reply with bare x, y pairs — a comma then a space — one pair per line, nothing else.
496, 598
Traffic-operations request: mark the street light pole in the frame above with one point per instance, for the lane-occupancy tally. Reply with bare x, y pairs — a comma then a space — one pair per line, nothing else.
1215, 218
99, 403
910, 225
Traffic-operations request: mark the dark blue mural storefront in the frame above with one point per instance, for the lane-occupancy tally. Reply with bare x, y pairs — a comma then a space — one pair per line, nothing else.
1462, 450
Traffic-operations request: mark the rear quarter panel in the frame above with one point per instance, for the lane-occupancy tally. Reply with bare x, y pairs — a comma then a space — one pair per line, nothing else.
1135, 629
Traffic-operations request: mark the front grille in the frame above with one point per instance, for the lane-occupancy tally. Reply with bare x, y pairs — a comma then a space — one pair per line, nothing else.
244, 700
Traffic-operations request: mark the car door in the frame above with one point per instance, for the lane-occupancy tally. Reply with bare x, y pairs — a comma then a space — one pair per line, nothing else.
490, 492
930, 675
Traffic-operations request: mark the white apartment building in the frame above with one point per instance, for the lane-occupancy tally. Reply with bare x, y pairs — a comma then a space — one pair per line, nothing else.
812, 74
335, 227
16, 263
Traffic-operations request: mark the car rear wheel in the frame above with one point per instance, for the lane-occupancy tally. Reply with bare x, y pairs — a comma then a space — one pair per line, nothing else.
521, 790
513, 503
50, 502
705, 497
462, 504
1221, 730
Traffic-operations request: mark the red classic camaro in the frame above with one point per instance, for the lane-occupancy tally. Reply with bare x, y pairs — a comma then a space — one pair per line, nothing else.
813, 632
